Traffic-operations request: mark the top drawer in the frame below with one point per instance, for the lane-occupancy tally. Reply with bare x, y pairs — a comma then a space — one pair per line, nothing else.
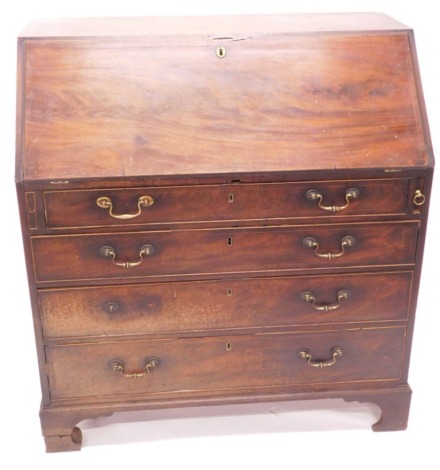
213, 203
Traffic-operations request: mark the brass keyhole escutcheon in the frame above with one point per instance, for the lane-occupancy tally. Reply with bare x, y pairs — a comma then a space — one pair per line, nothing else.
221, 52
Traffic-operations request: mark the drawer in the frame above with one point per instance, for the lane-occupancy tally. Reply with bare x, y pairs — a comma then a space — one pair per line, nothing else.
219, 305
224, 364
222, 251
159, 205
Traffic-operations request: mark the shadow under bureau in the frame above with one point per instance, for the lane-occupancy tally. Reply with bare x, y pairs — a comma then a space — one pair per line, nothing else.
221, 210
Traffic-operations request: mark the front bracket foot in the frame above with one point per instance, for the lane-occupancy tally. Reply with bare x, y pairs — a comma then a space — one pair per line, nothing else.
63, 443
394, 404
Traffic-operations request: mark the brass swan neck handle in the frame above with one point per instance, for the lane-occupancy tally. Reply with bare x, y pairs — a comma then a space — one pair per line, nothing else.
151, 363
346, 242
335, 353
105, 202
309, 297
315, 195
109, 252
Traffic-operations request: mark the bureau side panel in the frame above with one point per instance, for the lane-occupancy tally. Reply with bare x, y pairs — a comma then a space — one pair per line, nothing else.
424, 185
25, 201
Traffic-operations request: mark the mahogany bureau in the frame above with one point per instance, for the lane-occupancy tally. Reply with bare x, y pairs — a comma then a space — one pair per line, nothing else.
221, 210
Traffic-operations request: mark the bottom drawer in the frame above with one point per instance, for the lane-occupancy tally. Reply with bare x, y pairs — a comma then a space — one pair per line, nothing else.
223, 364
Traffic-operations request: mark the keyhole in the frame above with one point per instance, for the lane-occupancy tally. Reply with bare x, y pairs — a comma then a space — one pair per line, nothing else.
231, 197
228, 346
229, 292
112, 306
221, 52
229, 242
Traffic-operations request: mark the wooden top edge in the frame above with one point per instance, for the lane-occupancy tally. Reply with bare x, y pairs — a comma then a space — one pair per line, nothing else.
234, 26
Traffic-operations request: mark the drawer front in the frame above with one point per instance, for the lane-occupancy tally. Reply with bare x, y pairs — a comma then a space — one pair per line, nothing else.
218, 305
150, 206
224, 364
222, 251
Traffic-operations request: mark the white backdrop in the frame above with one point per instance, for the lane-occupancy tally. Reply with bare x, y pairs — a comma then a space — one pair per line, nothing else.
315, 435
